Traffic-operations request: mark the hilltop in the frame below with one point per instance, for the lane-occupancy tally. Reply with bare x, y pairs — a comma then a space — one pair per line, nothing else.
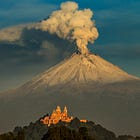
62, 130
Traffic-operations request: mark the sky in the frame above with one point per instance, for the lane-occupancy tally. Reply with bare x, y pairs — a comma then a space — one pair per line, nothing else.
118, 23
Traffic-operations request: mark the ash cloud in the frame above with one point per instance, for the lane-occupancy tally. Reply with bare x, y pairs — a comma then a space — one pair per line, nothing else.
72, 24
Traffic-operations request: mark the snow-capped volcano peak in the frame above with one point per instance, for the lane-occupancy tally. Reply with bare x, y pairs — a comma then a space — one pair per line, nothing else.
81, 69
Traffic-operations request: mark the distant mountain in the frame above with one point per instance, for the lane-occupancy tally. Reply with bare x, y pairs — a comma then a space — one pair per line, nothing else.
88, 84
74, 130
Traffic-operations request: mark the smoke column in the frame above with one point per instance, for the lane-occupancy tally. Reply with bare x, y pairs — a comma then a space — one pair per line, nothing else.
72, 24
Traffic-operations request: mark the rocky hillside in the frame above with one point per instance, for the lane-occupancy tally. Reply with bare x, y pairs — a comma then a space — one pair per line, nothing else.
75, 130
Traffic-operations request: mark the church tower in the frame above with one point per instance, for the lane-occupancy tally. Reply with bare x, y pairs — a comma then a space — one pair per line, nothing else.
56, 116
65, 113
65, 110
58, 110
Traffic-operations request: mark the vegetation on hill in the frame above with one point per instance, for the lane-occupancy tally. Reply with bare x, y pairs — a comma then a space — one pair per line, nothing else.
75, 130
64, 133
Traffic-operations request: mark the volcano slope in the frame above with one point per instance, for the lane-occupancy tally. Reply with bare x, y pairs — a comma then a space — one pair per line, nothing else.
89, 85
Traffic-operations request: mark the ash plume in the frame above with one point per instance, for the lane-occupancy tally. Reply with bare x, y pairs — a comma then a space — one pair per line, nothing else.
72, 24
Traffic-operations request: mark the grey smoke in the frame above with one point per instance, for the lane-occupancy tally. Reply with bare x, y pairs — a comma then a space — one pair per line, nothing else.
72, 24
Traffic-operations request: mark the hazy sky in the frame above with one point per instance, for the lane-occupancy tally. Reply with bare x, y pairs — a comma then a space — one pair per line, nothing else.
118, 23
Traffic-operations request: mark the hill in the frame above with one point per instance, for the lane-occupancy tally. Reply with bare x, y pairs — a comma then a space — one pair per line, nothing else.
74, 130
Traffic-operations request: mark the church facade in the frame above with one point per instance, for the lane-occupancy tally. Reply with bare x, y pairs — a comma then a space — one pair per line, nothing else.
56, 116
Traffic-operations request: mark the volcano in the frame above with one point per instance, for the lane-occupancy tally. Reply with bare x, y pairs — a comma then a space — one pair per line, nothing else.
92, 87
81, 69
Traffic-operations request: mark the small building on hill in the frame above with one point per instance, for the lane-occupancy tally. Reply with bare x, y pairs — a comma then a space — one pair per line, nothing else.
58, 115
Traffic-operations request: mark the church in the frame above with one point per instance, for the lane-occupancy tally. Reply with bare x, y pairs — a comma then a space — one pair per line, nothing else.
58, 115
